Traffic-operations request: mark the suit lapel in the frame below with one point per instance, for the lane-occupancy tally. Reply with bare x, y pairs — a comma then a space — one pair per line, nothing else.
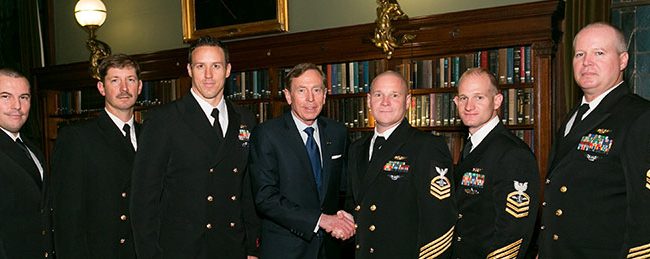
112, 134
388, 150
326, 154
27, 165
294, 142
596, 117
197, 122
232, 133
361, 165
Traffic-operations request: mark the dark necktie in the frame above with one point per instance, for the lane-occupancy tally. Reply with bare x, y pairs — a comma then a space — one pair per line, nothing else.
127, 136
468, 147
314, 157
217, 125
379, 141
581, 112
24, 148
33, 168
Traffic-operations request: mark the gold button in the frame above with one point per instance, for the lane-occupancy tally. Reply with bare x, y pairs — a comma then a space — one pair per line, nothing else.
372, 250
543, 204
210, 198
122, 241
46, 254
563, 189
558, 212
556, 237
459, 239
460, 216
548, 181
123, 217
43, 232
357, 246
542, 227
232, 224
211, 170
357, 208
372, 228
234, 197
124, 195
208, 226
373, 207
356, 226
235, 170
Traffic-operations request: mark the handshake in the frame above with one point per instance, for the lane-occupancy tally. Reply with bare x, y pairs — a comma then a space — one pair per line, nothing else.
340, 226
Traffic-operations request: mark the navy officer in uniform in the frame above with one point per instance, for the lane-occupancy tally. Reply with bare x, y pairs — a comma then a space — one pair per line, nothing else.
400, 181
91, 170
191, 193
597, 190
497, 181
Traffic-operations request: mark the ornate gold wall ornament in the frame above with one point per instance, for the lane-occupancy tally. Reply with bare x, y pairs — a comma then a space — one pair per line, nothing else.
387, 11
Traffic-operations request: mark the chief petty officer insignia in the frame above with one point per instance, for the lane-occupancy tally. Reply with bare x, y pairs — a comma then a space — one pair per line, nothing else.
440, 186
396, 168
517, 202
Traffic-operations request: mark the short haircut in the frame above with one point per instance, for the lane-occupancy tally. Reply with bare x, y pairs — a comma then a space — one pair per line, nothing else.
210, 42
481, 72
117, 61
621, 44
10, 72
300, 69
393, 73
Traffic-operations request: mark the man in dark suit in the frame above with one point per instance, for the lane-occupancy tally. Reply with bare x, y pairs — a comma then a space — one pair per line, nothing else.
400, 181
597, 196
497, 181
191, 194
24, 212
297, 163
91, 170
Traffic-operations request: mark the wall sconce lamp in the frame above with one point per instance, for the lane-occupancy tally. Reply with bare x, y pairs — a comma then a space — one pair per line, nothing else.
91, 14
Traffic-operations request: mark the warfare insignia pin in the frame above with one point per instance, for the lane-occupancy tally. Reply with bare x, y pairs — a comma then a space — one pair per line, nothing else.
603, 131
400, 158
647, 179
591, 158
517, 202
440, 186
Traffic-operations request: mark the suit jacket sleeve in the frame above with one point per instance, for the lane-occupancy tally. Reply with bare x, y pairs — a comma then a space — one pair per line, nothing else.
148, 171
68, 195
636, 162
266, 181
515, 165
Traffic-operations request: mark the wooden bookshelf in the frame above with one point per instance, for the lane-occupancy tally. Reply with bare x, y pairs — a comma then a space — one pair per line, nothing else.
532, 25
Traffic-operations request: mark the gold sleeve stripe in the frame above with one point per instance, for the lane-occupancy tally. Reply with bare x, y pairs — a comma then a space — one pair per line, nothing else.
509, 251
639, 252
438, 246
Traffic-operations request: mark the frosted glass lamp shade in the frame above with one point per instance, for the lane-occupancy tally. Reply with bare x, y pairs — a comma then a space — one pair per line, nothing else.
90, 12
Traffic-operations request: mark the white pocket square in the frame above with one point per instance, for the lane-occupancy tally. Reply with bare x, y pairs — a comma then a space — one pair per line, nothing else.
336, 156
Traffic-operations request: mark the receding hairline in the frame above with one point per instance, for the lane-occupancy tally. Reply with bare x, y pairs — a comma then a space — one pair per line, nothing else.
619, 40
389, 73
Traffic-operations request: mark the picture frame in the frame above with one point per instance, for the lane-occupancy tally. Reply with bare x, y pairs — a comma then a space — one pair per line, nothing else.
227, 19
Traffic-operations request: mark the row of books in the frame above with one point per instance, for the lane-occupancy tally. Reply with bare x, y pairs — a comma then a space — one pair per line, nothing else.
75, 102
509, 66
158, 92
248, 85
89, 100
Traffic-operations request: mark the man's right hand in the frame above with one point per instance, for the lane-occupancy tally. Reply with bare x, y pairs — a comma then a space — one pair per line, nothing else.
340, 226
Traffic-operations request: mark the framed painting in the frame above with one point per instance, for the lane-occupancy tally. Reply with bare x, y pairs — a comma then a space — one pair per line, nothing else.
225, 19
